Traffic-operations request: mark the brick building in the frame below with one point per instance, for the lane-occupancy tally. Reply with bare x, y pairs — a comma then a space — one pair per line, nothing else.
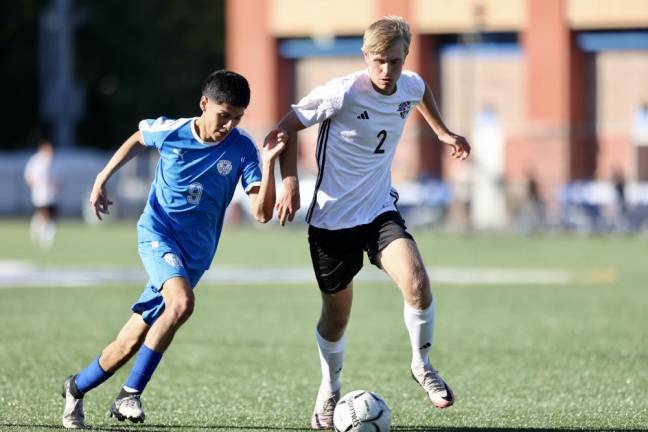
554, 89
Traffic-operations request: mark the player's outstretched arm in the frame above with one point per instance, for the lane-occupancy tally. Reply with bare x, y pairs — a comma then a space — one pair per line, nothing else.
289, 201
99, 197
263, 198
428, 107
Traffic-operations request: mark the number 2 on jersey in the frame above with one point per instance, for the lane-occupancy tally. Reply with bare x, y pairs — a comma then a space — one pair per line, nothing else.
382, 135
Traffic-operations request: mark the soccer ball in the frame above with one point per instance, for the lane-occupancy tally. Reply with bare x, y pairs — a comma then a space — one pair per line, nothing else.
361, 411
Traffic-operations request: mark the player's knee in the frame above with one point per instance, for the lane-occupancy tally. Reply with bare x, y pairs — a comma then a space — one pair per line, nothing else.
417, 282
129, 345
419, 289
337, 322
181, 309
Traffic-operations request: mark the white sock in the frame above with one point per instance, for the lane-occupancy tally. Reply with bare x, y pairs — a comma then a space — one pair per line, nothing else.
331, 359
35, 228
420, 326
49, 232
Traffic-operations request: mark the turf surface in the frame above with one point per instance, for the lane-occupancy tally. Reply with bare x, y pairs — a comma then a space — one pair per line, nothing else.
528, 357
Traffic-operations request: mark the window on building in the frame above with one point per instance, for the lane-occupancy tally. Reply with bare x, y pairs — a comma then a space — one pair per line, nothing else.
640, 137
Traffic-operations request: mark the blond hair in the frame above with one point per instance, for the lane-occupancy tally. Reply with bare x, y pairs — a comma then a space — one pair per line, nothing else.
384, 33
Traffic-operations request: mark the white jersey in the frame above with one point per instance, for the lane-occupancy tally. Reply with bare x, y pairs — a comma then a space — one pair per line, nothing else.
357, 140
41, 171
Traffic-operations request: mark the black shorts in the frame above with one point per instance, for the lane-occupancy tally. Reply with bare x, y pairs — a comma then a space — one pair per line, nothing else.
337, 254
51, 210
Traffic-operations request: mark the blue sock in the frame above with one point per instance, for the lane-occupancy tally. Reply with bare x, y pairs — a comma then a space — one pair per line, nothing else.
145, 363
91, 376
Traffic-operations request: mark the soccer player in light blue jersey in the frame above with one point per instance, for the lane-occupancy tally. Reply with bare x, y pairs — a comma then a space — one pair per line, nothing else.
201, 161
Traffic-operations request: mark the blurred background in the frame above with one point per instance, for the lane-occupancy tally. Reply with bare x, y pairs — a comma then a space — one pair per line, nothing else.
552, 94
536, 244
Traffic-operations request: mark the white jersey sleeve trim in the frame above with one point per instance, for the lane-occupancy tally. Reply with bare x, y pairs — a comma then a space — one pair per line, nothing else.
251, 185
161, 124
197, 137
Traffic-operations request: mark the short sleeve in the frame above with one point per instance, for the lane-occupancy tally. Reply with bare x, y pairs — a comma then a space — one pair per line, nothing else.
251, 171
154, 131
321, 103
415, 86
29, 167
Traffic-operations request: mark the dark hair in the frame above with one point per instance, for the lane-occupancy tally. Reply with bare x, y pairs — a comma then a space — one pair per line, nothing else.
39, 134
228, 87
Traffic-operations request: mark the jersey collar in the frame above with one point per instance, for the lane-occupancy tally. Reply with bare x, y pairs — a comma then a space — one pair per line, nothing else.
376, 92
202, 141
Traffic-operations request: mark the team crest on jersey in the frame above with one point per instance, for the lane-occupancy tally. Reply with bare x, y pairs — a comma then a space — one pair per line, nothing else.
404, 108
224, 167
173, 260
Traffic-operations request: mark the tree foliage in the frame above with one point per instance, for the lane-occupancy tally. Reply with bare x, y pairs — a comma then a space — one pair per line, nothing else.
135, 59
142, 59
19, 71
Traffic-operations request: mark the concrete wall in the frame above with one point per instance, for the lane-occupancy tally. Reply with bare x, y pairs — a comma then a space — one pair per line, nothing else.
77, 171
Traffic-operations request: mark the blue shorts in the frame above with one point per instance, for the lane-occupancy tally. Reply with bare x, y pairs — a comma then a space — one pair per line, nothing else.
162, 260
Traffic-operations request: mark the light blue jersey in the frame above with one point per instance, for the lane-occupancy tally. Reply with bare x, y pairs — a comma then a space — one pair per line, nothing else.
194, 183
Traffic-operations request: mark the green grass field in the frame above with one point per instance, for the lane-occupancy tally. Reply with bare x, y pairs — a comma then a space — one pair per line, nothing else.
524, 357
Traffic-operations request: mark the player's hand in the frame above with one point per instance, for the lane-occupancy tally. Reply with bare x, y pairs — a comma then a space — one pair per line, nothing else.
273, 144
459, 144
289, 202
99, 198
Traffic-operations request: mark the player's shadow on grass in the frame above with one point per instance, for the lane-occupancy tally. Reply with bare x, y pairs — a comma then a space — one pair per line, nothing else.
511, 429
153, 428
207, 427
166, 428
169, 427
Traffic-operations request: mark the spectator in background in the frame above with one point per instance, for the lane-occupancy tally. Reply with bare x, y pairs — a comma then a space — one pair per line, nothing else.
619, 183
535, 204
42, 179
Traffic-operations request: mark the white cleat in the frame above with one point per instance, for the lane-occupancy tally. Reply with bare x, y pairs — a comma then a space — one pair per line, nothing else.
128, 408
323, 411
73, 417
438, 391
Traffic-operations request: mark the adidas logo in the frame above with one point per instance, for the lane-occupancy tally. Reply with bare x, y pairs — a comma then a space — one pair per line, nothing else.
427, 345
363, 116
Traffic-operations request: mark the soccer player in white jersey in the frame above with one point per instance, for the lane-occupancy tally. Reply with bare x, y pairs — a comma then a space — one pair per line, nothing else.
201, 161
42, 177
361, 119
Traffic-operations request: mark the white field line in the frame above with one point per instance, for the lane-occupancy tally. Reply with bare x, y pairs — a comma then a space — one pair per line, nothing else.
17, 274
